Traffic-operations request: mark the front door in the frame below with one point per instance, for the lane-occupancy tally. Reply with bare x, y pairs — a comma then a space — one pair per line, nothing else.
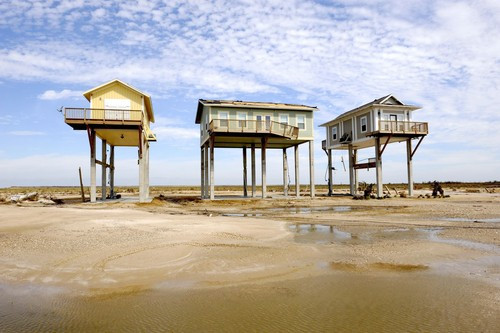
263, 122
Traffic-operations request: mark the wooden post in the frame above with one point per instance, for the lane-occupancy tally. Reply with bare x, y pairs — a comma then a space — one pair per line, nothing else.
146, 171
202, 182
263, 161
409, 163
81, 184
311, 168
112, 172
330, 173
212, 186
378, 166
245, 193
93, 180
351, 170
297, 176
103, 168
285, 173
254, 190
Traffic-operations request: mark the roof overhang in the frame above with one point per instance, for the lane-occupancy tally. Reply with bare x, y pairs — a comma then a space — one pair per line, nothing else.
250, 105
378, 103
147, 99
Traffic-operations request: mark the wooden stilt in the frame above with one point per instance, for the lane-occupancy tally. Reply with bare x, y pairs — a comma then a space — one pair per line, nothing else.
112, 171
378, 166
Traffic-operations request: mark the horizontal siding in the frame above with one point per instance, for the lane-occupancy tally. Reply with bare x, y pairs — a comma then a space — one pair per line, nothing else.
369, 125
117, 91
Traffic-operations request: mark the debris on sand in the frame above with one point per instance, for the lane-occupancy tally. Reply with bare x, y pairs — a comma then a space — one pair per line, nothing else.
33, 196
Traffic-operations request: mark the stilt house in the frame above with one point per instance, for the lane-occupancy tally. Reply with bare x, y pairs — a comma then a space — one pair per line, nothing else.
375, 124
120, 115
238, 124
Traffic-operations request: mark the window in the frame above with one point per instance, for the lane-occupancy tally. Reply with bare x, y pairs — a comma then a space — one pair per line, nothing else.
206, 122
283, 120
334, 133
223, 119
301, 122
242, 120
363, 124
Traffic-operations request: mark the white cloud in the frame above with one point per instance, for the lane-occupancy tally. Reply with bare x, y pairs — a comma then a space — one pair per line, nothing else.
26, 133
63, 94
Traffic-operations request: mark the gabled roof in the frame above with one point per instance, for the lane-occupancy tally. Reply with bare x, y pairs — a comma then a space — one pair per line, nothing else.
147, 99
249, 105
385, 101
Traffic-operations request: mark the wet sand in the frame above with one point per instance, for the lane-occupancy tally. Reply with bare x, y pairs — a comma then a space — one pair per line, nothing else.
289, 264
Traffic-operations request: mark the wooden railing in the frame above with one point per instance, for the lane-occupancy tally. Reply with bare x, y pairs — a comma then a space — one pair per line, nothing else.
86, 114
254, 126
404, 127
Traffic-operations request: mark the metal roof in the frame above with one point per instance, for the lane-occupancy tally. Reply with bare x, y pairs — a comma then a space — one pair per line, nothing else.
250, 105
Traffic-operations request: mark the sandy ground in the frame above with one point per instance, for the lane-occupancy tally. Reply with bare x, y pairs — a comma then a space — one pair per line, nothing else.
180, 241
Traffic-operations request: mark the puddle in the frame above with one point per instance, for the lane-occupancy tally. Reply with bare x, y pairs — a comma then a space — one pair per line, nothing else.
328, 234
460, 219
243, 214
297, 210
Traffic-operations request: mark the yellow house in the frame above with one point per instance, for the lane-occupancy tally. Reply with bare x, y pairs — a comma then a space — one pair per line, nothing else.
120, 115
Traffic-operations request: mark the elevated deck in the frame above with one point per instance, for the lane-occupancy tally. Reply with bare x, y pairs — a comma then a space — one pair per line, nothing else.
400, 128
80, 118
256, 128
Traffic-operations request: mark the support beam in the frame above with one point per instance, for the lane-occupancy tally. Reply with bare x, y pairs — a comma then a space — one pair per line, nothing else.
202, 180
207, 170
355, 161
378, 166
416, 147
254, 190
285, 173
263, 161
103, 169
245, 193
330, 173
112, 171
385, 144
351, 170
93, 189
142, 169
297, 175
311, 169
212, 149
409, 163
146, 171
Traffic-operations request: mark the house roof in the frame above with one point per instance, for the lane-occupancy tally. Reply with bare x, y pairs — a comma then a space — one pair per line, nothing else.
386, 101
249, 105
147, 99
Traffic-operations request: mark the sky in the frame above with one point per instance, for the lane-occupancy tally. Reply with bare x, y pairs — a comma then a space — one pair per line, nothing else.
441, 55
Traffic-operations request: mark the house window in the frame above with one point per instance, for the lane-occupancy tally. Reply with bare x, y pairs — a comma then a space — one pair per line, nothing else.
363, 124
334, 133
223, 119
301, 122
283, 120
242, 120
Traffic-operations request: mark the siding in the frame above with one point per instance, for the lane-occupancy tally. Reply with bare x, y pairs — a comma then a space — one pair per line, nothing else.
117, 91
369, 125
307, 133
348, 127
330, 130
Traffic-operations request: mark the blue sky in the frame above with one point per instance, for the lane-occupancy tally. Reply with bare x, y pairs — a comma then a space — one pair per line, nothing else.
336, 55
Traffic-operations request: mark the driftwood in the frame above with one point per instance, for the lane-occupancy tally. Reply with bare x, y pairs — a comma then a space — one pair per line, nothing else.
33, 196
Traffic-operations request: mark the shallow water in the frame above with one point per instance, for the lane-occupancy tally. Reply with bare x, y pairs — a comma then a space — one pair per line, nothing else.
337, 301
460, 219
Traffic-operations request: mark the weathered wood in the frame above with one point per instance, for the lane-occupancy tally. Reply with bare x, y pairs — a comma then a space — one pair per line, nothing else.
245, 193
311, 169
81, 184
